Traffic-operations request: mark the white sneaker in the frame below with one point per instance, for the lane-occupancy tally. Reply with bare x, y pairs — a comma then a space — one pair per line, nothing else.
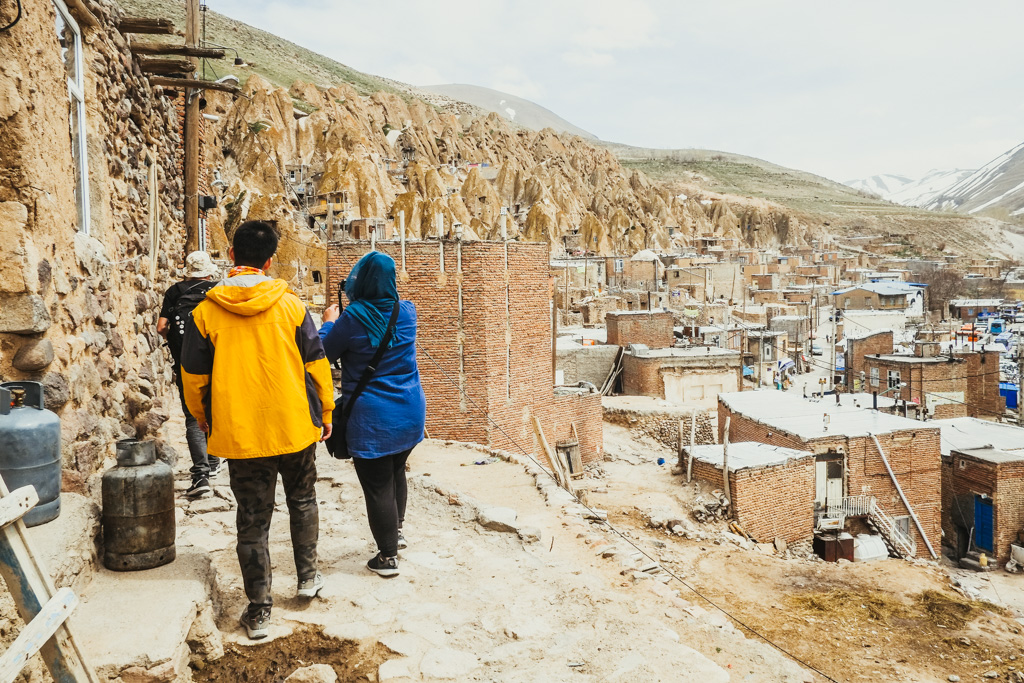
312, 587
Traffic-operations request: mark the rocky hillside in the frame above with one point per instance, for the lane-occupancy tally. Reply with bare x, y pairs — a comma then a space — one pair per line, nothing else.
997, 188
465, 168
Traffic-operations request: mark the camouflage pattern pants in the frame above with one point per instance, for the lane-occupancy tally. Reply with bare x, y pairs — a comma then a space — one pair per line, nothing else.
254, 483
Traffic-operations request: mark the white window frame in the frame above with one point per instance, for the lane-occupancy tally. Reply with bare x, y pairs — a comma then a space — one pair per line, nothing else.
76, 97
874, 377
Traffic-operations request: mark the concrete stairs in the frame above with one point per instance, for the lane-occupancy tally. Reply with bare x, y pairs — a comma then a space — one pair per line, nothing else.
971, 561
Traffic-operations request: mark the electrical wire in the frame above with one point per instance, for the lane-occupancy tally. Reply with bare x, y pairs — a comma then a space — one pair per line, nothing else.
17, 18
618, 533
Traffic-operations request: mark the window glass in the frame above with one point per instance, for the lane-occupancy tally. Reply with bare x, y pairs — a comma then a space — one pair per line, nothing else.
66, 36
70, 39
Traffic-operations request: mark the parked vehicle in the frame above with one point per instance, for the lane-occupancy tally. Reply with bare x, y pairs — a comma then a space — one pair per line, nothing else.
816, 350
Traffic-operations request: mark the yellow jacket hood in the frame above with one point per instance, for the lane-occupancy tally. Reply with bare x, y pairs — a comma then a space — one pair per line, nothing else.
245, 299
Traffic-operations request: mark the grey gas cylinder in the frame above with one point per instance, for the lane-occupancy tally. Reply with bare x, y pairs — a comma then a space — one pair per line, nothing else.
138, 509
30, 447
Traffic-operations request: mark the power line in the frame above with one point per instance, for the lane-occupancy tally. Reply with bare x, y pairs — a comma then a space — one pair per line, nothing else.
618, 533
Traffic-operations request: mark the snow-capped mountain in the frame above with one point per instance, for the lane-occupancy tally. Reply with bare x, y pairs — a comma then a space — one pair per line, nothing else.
924, 191
999, 184
881, 185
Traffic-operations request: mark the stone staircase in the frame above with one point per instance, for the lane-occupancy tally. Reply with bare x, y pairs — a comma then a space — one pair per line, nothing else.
972, 561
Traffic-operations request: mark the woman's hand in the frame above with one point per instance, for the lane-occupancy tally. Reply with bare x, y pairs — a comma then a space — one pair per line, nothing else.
331, 313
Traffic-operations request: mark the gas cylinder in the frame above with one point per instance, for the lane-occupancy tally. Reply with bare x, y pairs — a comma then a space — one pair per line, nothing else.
138, 509
30, 447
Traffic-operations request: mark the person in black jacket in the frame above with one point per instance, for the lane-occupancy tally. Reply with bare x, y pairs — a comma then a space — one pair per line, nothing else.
179, 300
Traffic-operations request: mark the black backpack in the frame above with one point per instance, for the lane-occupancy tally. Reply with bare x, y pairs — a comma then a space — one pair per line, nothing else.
180, 314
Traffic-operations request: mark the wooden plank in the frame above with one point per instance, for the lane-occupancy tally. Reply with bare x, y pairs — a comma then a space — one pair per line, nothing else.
82, 13
560, 475
191, 135
31, 587
167, 65
182, 83
146, 25
16, 505
36, 633
140, 47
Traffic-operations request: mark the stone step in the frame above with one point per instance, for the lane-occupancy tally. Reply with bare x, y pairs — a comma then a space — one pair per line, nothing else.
135, 624
972, 563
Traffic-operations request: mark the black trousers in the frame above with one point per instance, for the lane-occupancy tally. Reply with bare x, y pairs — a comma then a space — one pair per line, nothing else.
254, 483
385, 491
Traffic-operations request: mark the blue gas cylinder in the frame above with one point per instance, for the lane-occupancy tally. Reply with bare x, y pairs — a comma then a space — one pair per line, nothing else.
30, 447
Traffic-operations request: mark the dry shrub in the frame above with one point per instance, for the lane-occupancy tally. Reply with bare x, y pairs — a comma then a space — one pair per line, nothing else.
846, 604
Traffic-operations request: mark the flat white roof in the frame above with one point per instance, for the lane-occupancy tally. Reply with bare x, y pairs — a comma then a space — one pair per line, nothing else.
688, 352
970, 433
804, 418
993, 455
745, 455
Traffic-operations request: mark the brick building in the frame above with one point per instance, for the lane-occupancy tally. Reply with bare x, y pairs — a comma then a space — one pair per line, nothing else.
652, 329
847, 461
771, 487
982, 485
878, 296
692, 376
484, 341
945, 385
858, 347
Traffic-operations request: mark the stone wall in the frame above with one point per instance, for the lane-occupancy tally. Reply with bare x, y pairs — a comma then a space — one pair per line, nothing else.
78, 311
663, 426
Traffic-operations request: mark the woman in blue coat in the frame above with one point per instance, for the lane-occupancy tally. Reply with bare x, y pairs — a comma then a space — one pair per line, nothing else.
388, 418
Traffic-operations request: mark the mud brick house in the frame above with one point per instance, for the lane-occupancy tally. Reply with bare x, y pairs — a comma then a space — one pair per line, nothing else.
771, 487
652, 329
484, 339
852, 470
970, 310
692, 376
879, 296
982, 486
946, 385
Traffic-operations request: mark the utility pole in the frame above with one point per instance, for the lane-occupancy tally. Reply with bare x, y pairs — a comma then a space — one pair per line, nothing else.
192, 119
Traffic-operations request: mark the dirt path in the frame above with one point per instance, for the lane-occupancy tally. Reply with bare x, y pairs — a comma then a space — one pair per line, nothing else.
471, 603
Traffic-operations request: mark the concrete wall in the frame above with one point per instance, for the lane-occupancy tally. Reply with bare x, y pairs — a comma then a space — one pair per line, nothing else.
589, 364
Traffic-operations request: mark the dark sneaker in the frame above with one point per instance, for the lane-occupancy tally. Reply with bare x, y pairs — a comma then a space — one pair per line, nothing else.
383, 566
312, 587
200, 487
216, 469
256, 622
402, 545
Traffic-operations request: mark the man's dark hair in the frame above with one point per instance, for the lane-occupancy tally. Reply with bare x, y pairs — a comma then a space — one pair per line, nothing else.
254, 242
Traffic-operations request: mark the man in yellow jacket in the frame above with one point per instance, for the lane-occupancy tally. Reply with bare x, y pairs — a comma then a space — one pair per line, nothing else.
256, 379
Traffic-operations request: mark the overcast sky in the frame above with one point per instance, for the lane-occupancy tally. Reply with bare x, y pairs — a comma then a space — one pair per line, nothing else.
843, 89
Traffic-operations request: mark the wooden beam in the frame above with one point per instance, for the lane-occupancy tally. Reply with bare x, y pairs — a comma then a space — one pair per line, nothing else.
16, 505
167, 66
31, 587
36, 633
146, 25
140, 47
181, 83
192, 123
82, 13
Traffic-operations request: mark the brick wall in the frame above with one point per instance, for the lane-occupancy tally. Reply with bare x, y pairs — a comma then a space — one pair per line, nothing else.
769, 502
982, 373
963, 477
913, 455
641, 376
856, 349
503, 363
652, 329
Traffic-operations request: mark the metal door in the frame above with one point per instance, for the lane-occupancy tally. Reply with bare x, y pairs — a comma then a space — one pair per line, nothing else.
983, 523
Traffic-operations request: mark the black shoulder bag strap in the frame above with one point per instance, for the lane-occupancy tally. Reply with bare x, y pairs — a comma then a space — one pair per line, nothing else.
371, 368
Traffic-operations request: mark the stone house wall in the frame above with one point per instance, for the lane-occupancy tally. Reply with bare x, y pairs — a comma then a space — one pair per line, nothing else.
490, 355
664, 427
78, 311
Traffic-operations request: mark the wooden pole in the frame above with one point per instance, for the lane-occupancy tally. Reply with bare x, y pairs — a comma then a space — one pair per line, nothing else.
725, 463
192, 122
693, 442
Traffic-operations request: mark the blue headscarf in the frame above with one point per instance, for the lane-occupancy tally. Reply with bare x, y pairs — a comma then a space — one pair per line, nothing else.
372, 291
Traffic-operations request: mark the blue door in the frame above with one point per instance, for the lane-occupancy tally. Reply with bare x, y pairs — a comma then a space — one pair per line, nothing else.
983, 523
